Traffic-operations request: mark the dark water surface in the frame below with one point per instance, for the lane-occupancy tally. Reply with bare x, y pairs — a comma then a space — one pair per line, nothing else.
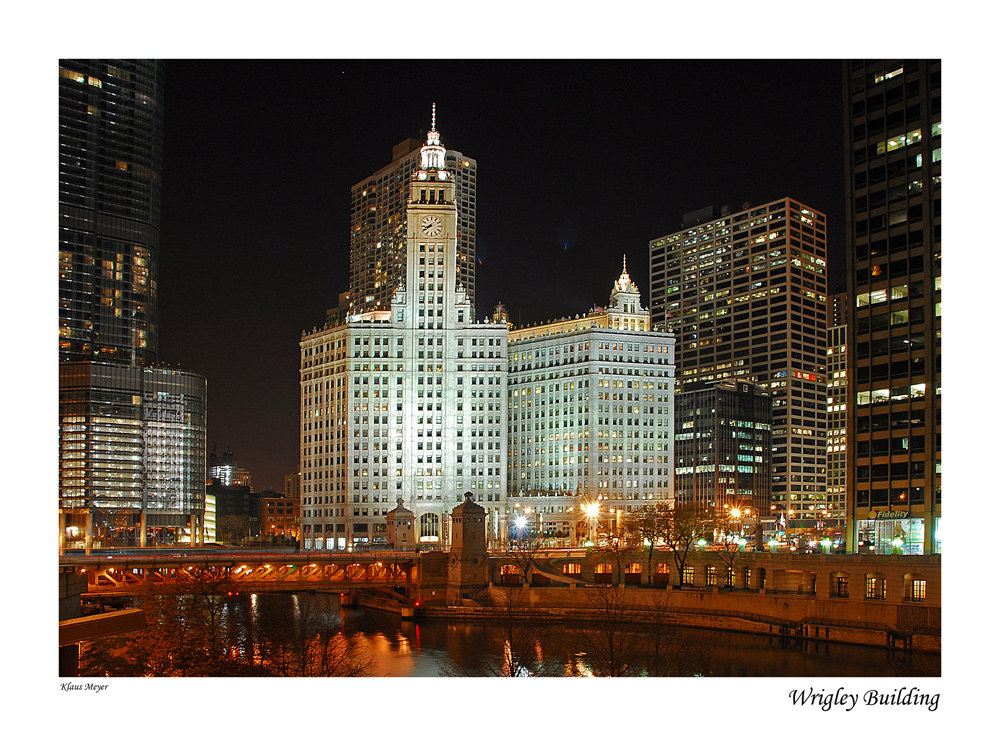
437, 647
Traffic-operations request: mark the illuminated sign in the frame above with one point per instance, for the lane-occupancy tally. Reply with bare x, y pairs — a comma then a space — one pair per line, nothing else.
888, 515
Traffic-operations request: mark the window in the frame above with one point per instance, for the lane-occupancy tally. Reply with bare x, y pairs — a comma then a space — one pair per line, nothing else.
429, 527
899, 141
874, 588
918, 591
688, 576
840, 589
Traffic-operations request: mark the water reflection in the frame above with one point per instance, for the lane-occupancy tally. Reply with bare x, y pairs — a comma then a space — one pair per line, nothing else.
435, 647
310, 635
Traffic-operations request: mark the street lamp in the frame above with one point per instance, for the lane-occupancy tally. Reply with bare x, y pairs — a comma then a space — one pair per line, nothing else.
591, 510
826, 546
520, 523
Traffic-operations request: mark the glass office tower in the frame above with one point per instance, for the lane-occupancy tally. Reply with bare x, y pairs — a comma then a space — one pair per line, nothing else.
722, 433
131, 434
131, 454
110, 154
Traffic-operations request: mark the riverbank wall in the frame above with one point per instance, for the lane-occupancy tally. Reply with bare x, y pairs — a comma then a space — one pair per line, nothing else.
789, 616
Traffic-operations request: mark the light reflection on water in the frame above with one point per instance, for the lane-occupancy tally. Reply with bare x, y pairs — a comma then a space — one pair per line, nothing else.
437, 647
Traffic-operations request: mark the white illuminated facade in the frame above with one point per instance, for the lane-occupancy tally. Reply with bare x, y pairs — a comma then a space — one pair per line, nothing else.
590, 411
407, 401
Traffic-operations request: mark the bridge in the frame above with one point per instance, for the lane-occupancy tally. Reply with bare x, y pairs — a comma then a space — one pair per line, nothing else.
124, 572
858, 596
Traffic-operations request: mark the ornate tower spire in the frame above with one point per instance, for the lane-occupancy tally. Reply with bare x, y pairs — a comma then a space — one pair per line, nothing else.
432, 153
624, 282
626, 311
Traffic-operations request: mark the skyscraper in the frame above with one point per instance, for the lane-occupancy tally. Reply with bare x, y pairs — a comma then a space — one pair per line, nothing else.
591, 403
110, 154
379, 226
893, 163
406, 401
131, 434
745, 294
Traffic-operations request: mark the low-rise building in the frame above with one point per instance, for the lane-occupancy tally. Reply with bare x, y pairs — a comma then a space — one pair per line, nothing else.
278, 516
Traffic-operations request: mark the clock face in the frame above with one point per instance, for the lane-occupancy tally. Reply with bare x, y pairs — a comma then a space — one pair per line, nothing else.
431, 226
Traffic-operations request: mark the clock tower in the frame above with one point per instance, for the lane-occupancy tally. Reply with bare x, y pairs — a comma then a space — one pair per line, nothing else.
418, 393
432, 241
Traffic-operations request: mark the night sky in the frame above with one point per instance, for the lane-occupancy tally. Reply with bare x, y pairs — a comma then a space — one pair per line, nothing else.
579, 162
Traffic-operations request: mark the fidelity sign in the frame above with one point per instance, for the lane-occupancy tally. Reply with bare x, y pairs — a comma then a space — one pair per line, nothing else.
888, 515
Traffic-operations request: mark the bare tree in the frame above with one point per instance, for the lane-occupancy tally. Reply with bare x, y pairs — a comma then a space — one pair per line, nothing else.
190, 632
202, 629
525, 552
666, 651
622, 538
233, 527
303, 640
613, 640
683, 526
650, 525
515, 640
730, 547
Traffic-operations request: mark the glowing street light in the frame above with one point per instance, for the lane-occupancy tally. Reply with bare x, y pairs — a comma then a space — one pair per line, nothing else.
591, 511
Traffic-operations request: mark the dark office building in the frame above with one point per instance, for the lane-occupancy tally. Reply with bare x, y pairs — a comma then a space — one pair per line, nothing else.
722, 445
893, 162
